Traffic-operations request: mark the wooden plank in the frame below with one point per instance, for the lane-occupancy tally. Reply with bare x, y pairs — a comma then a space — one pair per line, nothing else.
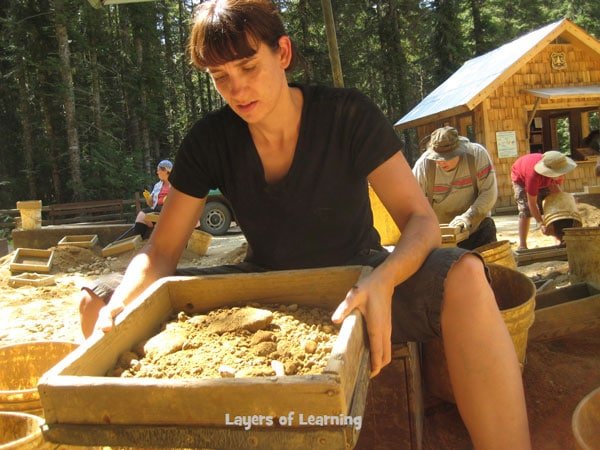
31, 279
347, 354
566, 318
319, 287
414, 387
553, 253
230, 438
122, 245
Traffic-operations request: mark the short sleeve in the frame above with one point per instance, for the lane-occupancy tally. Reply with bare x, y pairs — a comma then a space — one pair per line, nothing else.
372, 139
194, 167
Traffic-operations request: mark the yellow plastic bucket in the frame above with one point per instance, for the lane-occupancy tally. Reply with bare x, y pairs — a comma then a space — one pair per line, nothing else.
586, 421
199, 242
498, 253
20, 431
515, 295
583, 253
559, 206
383, 222
22, 367
31, 214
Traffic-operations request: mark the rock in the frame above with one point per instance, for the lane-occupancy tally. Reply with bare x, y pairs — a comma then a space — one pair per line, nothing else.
226, 371
291, 368
262, 336
167, 342
310, 347
247, 318
278, 367
264, 348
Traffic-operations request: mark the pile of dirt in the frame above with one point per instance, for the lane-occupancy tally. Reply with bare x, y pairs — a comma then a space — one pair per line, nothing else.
254, 340
70, 259
590, 215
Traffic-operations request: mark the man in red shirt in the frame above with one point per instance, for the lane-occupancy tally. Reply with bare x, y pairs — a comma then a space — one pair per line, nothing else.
534, 176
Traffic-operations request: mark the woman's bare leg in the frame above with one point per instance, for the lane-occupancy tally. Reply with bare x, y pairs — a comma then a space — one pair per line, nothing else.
482, 362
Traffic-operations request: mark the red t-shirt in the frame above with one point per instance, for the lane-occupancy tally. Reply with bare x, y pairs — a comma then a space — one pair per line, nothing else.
523, 173
164, 190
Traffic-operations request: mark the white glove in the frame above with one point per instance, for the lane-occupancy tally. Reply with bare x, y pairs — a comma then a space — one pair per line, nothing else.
462, 223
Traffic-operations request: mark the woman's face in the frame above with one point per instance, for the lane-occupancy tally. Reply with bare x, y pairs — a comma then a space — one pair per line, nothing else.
163, 174
252, 86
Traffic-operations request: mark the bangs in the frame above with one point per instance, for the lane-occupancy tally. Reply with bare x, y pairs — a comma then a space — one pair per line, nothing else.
226, 30
223, 43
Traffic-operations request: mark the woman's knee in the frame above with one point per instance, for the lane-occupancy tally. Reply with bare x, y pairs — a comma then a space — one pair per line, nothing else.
468, 267
467, 282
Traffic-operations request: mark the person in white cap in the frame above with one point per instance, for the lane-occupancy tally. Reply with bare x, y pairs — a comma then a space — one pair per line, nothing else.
459, 181
534, 176
154, 200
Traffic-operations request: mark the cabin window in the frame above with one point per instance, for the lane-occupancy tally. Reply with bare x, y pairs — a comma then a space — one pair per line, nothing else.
466, 128
561, 134
594, 120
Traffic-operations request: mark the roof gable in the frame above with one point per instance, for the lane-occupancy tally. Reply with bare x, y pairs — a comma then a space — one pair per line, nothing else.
480, 76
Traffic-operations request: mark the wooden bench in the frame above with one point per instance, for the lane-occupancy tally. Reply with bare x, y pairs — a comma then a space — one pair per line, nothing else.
107, 211
394, 411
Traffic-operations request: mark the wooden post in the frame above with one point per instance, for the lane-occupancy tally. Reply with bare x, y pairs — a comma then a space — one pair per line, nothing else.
334, 55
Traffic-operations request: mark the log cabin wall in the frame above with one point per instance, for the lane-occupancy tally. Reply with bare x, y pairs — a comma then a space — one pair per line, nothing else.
509, 107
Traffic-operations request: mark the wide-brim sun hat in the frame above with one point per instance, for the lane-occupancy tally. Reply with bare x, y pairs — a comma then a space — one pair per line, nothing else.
554, 164
445, 144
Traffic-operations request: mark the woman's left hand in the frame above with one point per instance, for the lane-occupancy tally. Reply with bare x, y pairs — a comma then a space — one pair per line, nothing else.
374, 301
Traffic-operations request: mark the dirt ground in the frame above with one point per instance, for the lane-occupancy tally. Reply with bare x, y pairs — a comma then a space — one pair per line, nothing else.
51, 313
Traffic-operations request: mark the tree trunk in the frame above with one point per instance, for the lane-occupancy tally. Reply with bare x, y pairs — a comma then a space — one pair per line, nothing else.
172, 102
52, 150
334, 53
190, 97
478, 29
25, 118
144, 131
68, 97
132, 122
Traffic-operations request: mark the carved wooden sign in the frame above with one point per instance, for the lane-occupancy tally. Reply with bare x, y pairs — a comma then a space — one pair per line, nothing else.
559, 60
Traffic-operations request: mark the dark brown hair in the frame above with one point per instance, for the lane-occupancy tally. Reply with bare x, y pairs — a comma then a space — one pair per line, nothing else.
225, 30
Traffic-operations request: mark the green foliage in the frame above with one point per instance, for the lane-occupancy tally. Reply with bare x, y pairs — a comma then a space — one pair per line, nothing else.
136, 94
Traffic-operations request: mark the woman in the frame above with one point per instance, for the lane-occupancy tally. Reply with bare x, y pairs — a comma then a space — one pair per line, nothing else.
154, 200
295, 161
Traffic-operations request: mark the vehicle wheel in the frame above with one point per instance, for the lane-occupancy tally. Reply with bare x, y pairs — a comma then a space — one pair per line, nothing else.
215, 219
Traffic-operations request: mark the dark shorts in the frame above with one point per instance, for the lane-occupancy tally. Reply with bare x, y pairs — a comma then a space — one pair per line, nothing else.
417, 303
521, 199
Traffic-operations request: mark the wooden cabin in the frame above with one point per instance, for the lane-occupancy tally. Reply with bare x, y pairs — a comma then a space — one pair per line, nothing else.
537, 93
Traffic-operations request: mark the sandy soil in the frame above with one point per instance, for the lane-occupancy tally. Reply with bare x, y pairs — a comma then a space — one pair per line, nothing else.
51, 312
248, 341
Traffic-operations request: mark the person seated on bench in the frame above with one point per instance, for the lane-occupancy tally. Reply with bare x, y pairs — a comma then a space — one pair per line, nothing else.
154, 200
296, 161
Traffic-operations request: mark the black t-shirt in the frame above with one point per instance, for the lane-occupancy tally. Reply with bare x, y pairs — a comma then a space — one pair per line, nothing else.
319, 214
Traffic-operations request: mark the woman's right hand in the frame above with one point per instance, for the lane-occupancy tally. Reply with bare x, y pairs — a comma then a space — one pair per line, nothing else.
106, 316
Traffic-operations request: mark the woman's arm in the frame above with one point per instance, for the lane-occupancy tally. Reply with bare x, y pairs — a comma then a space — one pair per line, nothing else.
160, 255
400, 193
